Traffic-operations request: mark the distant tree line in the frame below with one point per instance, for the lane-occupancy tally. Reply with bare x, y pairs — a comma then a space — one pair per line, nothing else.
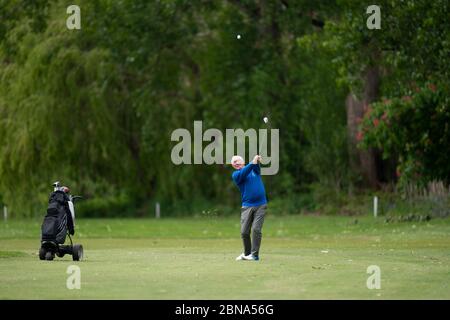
95, 107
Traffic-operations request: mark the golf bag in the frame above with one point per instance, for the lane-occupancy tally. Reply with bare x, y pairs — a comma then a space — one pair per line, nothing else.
58, 222
58, 219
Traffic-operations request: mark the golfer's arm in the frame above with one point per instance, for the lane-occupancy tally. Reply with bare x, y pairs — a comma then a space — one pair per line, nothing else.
257, 169
239, 176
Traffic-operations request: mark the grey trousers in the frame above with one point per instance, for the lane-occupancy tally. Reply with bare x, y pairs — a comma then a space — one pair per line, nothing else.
252, 218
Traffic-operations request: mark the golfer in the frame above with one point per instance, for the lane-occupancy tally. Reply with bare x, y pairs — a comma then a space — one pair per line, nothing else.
254, 204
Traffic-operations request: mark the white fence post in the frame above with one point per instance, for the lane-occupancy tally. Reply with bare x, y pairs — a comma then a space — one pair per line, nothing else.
5, 213
157, 211
375, 206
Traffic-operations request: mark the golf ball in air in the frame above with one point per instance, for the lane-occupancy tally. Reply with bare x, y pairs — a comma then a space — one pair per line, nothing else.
238, 36
266, 119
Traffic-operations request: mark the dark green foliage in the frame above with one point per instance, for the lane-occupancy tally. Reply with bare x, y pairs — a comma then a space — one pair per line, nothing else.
410, 121
416, 129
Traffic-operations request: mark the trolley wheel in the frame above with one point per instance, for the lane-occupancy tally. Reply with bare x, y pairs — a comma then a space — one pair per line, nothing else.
42, 254
77, 254
49, 256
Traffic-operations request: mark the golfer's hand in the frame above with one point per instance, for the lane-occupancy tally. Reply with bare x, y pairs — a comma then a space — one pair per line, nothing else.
256, 159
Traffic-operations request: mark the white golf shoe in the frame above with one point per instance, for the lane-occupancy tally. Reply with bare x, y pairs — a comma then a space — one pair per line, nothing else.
250, 257
241, 257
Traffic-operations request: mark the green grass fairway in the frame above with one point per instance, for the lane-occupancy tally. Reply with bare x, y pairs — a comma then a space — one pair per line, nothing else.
302, 257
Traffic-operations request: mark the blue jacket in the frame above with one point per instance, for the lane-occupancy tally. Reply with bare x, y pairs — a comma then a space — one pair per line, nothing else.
248, 179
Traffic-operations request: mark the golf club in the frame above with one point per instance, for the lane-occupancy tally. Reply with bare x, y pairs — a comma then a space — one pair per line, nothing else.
268, 126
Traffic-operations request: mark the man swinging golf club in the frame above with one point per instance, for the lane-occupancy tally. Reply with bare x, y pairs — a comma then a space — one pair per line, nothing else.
254, 204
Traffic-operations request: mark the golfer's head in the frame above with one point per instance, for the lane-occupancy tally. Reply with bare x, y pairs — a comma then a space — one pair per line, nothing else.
237, 162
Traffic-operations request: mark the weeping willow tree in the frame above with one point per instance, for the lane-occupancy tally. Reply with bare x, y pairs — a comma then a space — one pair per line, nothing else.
62, 108
95, 108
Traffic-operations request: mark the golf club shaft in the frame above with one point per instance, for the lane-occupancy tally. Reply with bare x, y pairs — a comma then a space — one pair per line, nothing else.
264, 142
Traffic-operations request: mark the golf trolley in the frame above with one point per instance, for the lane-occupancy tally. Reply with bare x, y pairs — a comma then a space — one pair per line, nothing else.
58, 223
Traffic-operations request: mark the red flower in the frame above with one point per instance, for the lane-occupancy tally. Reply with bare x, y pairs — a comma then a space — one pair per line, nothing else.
368, 110
432, 87
384, 116
376, 122
407, 98
415, 86
359, 136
